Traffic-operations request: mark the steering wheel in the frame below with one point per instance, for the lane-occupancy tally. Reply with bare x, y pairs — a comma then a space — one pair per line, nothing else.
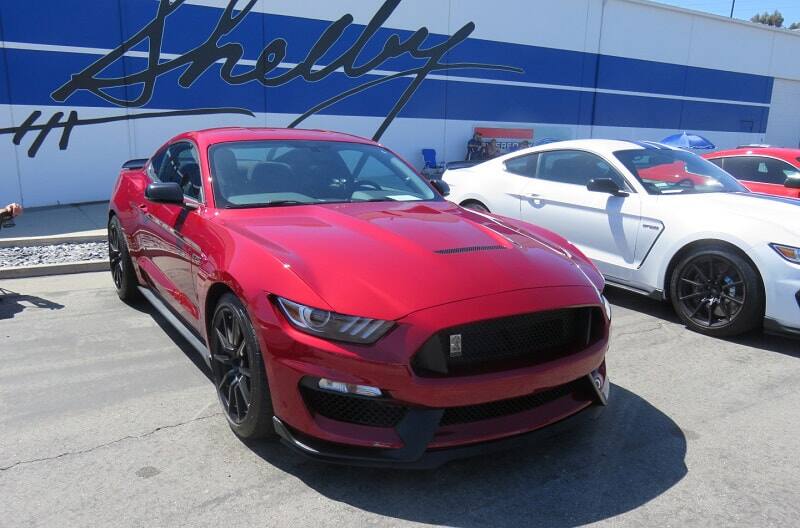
367, 184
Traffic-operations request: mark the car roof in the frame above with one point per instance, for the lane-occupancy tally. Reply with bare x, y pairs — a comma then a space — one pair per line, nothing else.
788, 154
211, 136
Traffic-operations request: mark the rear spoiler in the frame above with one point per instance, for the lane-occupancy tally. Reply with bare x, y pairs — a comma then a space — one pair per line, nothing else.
134, 164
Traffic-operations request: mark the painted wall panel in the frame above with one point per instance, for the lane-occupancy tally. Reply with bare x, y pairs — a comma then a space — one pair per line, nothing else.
578, 68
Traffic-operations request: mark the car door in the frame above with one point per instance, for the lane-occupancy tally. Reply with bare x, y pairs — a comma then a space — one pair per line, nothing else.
762, 173
499, 184
167, 232
605, 227
503, 186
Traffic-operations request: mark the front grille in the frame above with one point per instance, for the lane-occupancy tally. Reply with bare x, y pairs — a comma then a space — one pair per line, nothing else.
497, 409
509, 342
353, 409
383, 413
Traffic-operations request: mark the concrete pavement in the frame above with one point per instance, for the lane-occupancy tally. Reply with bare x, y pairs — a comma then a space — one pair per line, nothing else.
107, 419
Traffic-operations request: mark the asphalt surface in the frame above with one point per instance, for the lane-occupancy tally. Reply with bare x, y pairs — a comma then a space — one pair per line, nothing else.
108, 419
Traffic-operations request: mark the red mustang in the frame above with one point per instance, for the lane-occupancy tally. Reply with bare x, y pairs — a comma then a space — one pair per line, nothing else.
762, 169
341, 302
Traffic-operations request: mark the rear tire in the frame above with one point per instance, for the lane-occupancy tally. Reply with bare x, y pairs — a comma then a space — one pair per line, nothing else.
475, 205
237, 367
122, 272
717, 292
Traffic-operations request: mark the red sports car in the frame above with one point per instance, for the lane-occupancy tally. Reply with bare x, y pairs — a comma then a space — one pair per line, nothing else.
762, 169
343, 304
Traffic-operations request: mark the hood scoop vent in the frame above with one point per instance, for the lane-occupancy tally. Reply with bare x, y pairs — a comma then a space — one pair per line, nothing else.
469, 249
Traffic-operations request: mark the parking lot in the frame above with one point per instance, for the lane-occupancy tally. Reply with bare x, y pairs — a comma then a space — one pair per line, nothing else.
107, 418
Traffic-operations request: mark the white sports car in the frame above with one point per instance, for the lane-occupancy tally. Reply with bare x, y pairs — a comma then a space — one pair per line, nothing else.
659, 221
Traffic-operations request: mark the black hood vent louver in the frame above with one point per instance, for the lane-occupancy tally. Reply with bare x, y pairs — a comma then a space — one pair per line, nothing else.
469, 249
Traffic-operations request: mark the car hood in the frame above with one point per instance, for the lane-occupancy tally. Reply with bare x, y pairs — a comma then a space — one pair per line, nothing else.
388, 259
776, 210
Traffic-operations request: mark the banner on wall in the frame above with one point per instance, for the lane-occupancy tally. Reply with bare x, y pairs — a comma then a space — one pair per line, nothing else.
508, 139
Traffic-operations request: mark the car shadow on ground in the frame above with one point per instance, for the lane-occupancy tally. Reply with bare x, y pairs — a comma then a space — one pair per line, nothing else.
632, 454
189, 351
12, 303
781, 344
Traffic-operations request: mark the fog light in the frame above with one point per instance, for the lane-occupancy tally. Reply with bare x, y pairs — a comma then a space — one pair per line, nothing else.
606, 307
349, 388
601, 385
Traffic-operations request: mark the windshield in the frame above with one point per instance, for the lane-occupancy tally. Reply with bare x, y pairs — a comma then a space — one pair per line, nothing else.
676, 172
265, 173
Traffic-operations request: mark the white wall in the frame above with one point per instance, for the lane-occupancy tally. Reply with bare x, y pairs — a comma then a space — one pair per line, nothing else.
624, 28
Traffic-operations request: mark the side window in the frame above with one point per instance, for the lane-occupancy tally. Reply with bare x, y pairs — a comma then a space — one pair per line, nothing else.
523, 165
576, 168
717, 162
155, 164
759, 169
179, 164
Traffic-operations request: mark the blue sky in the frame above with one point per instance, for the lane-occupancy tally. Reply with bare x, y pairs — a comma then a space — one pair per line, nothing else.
744, 8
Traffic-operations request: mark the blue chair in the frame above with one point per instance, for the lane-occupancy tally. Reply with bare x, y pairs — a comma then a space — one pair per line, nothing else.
429, 155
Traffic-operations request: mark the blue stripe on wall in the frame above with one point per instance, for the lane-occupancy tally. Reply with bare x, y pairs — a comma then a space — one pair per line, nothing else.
101, 22
32, 73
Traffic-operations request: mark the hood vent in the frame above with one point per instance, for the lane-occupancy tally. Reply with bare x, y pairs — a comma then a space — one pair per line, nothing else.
469, 249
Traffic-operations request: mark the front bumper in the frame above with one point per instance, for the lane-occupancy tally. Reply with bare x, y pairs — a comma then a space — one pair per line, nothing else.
294, 358
782, 287
418, 429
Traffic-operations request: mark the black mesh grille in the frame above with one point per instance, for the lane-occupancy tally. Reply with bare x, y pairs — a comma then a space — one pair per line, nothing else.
469, 249
496, 409
353, 409
509, 342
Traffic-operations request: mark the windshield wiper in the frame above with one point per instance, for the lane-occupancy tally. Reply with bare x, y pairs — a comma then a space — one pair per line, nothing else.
266, 204
373, 200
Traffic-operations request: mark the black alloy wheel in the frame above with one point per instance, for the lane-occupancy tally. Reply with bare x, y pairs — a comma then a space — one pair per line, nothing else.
238, 370
120, 263
717, 292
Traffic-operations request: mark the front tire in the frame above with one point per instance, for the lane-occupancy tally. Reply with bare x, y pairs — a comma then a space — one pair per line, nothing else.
238, 371
120, 263
717, 292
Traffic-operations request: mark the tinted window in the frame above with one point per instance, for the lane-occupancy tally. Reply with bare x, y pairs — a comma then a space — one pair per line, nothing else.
759, 169
717, 162
179, 164
261, 173
523, 165
676, 172
576, 168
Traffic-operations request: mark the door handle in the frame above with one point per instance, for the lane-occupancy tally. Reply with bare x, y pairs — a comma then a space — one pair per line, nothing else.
532, 195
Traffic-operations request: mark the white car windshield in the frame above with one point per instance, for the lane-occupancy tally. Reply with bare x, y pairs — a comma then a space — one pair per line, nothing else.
676, 172
275, 172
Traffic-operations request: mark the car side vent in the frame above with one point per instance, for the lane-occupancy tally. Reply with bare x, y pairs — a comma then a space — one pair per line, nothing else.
469, 249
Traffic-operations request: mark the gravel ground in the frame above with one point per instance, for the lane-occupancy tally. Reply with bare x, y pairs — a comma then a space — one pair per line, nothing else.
52, 254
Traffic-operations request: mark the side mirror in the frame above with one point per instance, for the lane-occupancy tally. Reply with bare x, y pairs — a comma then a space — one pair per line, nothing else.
441, 186
792, 183
605, 185
164, 192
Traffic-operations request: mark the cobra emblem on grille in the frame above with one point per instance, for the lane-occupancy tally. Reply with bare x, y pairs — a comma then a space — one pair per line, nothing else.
455, 345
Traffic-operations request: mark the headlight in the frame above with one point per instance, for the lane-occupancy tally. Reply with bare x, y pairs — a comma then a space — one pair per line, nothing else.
790, 253
331, 325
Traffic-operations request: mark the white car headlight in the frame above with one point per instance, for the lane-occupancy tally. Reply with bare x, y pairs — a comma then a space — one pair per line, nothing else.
790, 253
331, 325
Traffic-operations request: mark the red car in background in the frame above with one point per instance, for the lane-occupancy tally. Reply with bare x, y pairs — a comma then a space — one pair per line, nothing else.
762, 169
343, 304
